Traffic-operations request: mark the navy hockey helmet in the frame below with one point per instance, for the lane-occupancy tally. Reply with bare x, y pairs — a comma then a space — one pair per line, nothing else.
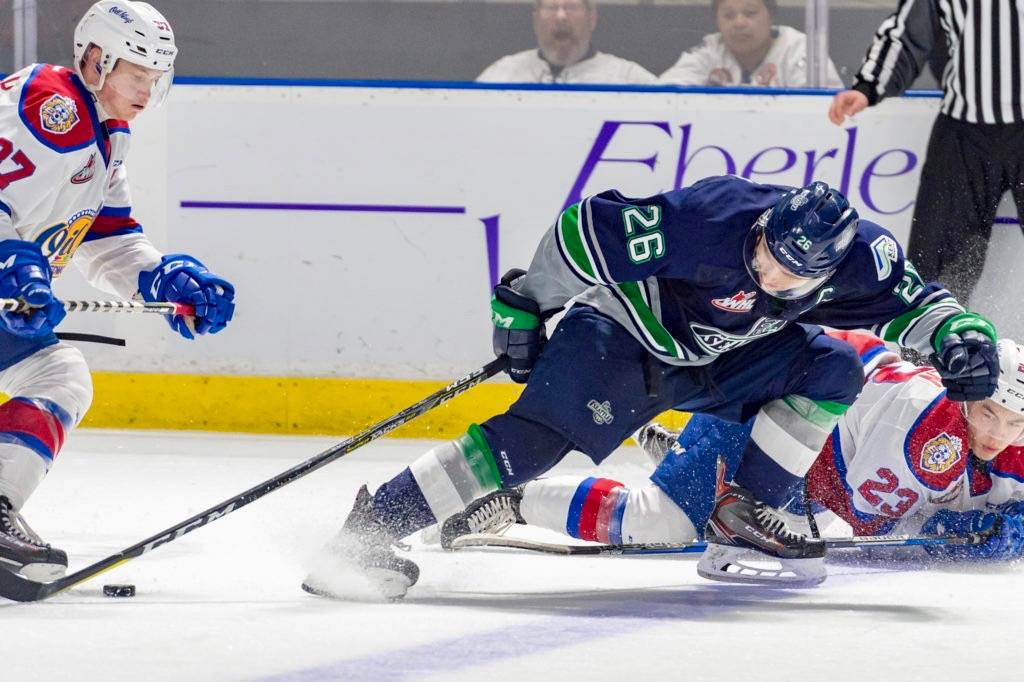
808, 232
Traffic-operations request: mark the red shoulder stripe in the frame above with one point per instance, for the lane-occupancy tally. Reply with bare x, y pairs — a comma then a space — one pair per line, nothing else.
1010, 463
57, 110
936, 447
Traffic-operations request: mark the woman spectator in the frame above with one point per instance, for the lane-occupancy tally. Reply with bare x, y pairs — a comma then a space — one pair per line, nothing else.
748, 50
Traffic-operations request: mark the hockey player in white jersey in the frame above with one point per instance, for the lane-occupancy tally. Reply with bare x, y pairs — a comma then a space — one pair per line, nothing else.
64, 135
903, 459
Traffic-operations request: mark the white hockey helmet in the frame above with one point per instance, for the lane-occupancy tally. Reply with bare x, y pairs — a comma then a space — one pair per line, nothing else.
129, 30
1010, 391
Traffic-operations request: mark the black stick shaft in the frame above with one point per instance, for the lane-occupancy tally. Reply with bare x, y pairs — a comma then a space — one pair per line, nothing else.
15, 587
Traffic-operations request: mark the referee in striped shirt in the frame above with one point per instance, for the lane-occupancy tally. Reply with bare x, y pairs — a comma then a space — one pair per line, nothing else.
976, 150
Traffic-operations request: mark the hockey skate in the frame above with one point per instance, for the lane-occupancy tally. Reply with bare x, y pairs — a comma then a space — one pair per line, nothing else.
492, 514
655, 440
23, 551
749, 542
360, 563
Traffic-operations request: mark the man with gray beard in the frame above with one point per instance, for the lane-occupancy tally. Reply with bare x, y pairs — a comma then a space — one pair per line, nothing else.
564, 53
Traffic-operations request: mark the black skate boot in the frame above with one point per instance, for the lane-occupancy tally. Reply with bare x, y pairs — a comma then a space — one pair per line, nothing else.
749, 542
23, 551
655, 440
360, 562
492, 514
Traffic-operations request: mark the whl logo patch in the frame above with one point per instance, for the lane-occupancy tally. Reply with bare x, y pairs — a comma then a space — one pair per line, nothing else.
86, 174
602, 412
743, 302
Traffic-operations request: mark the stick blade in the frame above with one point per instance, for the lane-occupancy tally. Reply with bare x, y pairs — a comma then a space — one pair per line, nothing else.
16, 587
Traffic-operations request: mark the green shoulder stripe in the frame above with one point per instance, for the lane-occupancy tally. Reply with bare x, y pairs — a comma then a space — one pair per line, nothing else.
655, 331
574, 242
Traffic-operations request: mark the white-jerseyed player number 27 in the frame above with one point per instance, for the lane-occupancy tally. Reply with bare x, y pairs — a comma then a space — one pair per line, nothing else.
25, 167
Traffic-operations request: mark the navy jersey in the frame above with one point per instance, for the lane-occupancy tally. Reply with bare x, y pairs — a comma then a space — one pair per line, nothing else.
670, 269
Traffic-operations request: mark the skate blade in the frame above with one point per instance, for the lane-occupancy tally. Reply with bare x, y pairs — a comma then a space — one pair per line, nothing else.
725, 563
370, 585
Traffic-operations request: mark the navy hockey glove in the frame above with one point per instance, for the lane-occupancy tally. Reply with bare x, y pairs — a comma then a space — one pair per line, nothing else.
1006, 542
965, 357
25, 275
519, 330
183, 279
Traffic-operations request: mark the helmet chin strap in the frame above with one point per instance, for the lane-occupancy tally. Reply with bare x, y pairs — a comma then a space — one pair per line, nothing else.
94, 89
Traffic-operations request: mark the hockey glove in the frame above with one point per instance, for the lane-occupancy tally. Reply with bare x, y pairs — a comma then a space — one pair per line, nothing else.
25, 275
1005, 543
519, 332
965, 357
183, 279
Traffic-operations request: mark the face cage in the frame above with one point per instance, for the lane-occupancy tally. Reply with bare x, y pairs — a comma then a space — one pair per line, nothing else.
1017, 442
809, 286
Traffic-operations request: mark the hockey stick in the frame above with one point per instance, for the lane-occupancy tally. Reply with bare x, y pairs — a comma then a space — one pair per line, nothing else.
490, 540
13, 305
18, 588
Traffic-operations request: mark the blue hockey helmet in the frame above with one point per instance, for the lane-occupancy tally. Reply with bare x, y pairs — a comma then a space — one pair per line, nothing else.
807, 232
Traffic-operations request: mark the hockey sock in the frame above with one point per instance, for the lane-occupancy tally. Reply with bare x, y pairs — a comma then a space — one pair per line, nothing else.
588, 509
787, 436
438, 484
604, 510
31, 434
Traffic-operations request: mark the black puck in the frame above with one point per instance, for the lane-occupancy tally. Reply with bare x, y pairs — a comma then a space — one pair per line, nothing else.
119, 590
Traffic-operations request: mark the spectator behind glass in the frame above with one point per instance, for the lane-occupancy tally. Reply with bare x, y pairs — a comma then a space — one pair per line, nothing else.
747, 50
564, 53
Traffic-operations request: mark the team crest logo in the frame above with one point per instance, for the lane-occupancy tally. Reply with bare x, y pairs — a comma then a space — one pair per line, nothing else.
798, 200
59, 243
940, 453
602, 412
59, 114
742, 302
85, 174
714, 341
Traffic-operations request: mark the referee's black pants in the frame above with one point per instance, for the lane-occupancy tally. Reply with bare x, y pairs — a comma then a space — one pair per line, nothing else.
968, 169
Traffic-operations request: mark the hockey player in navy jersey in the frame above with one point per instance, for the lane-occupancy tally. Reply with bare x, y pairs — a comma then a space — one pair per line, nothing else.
903, 459
684, 300
64, 195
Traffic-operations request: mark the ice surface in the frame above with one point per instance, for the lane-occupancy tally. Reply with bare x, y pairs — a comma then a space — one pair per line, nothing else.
224, 602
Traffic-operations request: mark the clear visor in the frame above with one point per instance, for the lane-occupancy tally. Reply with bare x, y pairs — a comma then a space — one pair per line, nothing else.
773, 277
993, 426
143, 87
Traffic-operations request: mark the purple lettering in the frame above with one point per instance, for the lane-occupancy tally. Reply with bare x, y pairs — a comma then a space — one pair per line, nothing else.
851, 142
684, 160
811, 174
751, 169
491, 235
604, 137
909, 163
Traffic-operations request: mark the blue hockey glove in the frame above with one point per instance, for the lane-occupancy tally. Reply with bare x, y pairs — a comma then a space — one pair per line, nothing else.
25, 275
183, 279
1006, 542
965, 357
519, 330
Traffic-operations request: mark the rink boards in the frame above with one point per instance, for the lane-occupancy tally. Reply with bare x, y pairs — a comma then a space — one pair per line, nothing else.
363, 226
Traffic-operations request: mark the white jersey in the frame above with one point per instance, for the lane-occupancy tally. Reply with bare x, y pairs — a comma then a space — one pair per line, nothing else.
63, 184
902, 452
529, 67
711, 63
